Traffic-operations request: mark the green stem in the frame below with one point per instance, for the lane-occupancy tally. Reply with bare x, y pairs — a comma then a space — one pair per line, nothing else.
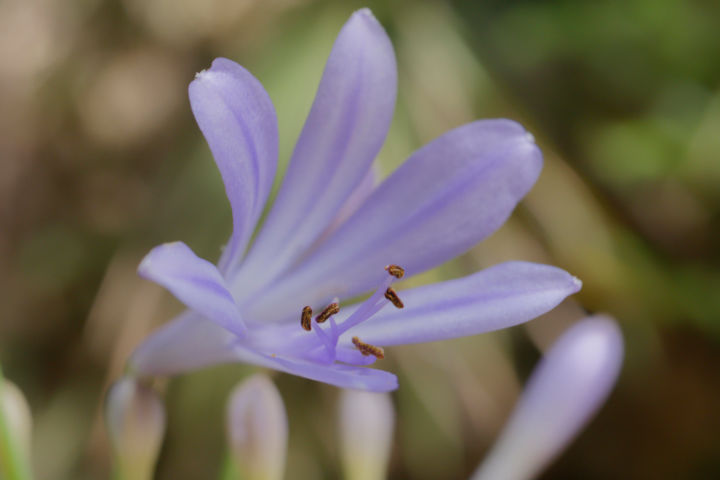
13, 464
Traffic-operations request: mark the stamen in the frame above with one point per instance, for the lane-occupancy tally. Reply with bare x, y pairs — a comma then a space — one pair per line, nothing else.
396, 271
327, 342
306, 318
392, 295
368, 308
327, 312
367, 349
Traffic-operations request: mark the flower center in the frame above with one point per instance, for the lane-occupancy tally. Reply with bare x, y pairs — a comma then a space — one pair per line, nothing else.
327, 351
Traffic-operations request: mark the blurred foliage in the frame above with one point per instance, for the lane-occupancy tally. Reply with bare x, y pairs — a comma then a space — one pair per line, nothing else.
101, 160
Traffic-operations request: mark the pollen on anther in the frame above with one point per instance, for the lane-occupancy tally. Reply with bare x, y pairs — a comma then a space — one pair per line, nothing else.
328, 312
367, 349
306, 318
392, 295
395, 270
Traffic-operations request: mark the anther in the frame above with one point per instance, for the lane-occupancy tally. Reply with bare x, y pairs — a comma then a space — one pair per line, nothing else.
367, 349
395, 270
392, 295
306, 318
327, 312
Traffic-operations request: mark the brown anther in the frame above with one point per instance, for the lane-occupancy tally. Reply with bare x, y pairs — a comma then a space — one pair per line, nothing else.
306, 318
367, 349
395, 270
327, 312
392, 295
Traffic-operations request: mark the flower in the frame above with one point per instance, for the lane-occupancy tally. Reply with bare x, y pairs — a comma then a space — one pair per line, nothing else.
332, 235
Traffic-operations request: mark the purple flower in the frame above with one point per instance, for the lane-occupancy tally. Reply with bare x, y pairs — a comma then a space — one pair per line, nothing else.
331, 232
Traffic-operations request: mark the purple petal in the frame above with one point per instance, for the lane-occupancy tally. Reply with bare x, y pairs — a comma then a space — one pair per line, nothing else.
566, 389
238, 120
189, 342
447, 197
343, 133
497, 297
353, 202
193, 281
343, 376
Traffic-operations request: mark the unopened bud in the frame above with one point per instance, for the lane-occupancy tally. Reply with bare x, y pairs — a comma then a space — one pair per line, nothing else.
569, 385
367, 421
257, 429
15, 429
135, 418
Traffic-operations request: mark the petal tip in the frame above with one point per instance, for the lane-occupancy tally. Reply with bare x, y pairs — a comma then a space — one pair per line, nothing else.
365, 13
147, 262
576, 283
367, 18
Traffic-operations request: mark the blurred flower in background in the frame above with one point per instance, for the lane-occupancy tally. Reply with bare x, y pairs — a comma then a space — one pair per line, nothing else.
257, 430
136, 426
572, 381
621, 96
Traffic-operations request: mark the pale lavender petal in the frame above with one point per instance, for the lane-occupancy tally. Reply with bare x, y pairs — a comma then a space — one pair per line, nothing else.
354, 201
238, 120
447, 196
343, 133
189, 342
195, 282
343, 376
567, 388
497, 297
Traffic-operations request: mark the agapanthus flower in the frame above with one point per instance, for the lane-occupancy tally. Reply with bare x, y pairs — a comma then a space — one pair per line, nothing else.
332, 235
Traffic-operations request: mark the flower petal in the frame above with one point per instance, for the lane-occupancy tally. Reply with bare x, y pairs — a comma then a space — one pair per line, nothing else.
353, 202
343, 376
238, 120
193, 281
343, 133
189, 342
565, 390
447, 196
497, 297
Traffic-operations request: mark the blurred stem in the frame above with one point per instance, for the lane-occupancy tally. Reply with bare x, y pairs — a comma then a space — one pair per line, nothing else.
121, 471
13, 463
228, 472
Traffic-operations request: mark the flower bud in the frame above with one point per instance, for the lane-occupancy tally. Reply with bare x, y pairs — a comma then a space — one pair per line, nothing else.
135, 418
570, 384
257, 429
15, 429
367, 421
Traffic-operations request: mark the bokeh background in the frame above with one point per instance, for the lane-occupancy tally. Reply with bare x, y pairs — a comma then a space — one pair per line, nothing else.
100, 160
